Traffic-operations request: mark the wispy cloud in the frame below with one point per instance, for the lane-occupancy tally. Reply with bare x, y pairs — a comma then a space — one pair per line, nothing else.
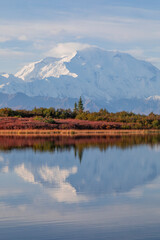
117, 29
119, 25
12, 53
136, 52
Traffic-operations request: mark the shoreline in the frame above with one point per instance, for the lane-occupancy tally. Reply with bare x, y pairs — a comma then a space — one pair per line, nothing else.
73, 132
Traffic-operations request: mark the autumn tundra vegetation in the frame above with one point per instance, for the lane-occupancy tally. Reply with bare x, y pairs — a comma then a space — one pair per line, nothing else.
78, 118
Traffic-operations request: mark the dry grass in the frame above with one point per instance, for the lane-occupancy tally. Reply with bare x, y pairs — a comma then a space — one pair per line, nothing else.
73, 132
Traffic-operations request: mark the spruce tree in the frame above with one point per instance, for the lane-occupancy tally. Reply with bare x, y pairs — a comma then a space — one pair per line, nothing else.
80, 105
75, 107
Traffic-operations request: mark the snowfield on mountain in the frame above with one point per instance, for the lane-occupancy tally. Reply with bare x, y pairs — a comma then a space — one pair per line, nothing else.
100, 77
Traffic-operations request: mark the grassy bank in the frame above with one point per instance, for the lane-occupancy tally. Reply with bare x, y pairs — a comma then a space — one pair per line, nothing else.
73, 132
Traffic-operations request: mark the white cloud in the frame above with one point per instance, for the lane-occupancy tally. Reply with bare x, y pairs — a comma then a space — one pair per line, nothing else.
42, 35
33, 30
3, 39
137, 52
66, 49
117, 29
154, 60
22, 38
142, 55
9, 53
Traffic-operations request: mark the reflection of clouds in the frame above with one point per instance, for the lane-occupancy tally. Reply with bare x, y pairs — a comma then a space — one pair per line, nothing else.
154, 185
55, 174
24, 173
122, 182
1, 159
72, 184
100, 174
64, 191
156, 147
108, 216
6, 192
138, 192
134, 193
5, 169
60, 190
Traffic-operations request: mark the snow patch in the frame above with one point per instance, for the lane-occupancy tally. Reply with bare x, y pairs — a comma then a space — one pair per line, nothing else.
6, 75
156, 98
26, 70
49, 67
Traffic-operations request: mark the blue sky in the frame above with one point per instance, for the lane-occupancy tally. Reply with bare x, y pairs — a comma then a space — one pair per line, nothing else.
33, 29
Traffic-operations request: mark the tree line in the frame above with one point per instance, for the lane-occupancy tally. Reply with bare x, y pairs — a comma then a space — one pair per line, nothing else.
129, 119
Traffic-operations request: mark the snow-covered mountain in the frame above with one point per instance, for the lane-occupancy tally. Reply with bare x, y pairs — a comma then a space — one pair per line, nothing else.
48, 67
100, 77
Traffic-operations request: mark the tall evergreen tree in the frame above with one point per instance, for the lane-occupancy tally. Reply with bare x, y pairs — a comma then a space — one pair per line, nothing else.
75, 107
80, 105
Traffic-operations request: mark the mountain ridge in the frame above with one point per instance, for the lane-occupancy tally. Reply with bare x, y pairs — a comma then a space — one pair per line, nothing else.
99, 76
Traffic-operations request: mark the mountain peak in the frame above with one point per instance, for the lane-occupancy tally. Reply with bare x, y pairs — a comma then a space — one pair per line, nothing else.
46, 68
97, 75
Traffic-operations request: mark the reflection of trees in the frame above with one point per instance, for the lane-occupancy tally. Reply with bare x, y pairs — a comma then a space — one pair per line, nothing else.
79, 144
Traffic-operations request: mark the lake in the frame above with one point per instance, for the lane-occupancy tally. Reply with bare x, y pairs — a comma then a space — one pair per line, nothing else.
100, 187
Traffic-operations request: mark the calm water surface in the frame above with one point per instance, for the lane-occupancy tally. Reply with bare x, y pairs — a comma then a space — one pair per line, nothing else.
80, 188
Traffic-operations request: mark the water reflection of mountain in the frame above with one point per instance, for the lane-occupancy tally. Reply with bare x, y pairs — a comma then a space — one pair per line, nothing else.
110, 164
